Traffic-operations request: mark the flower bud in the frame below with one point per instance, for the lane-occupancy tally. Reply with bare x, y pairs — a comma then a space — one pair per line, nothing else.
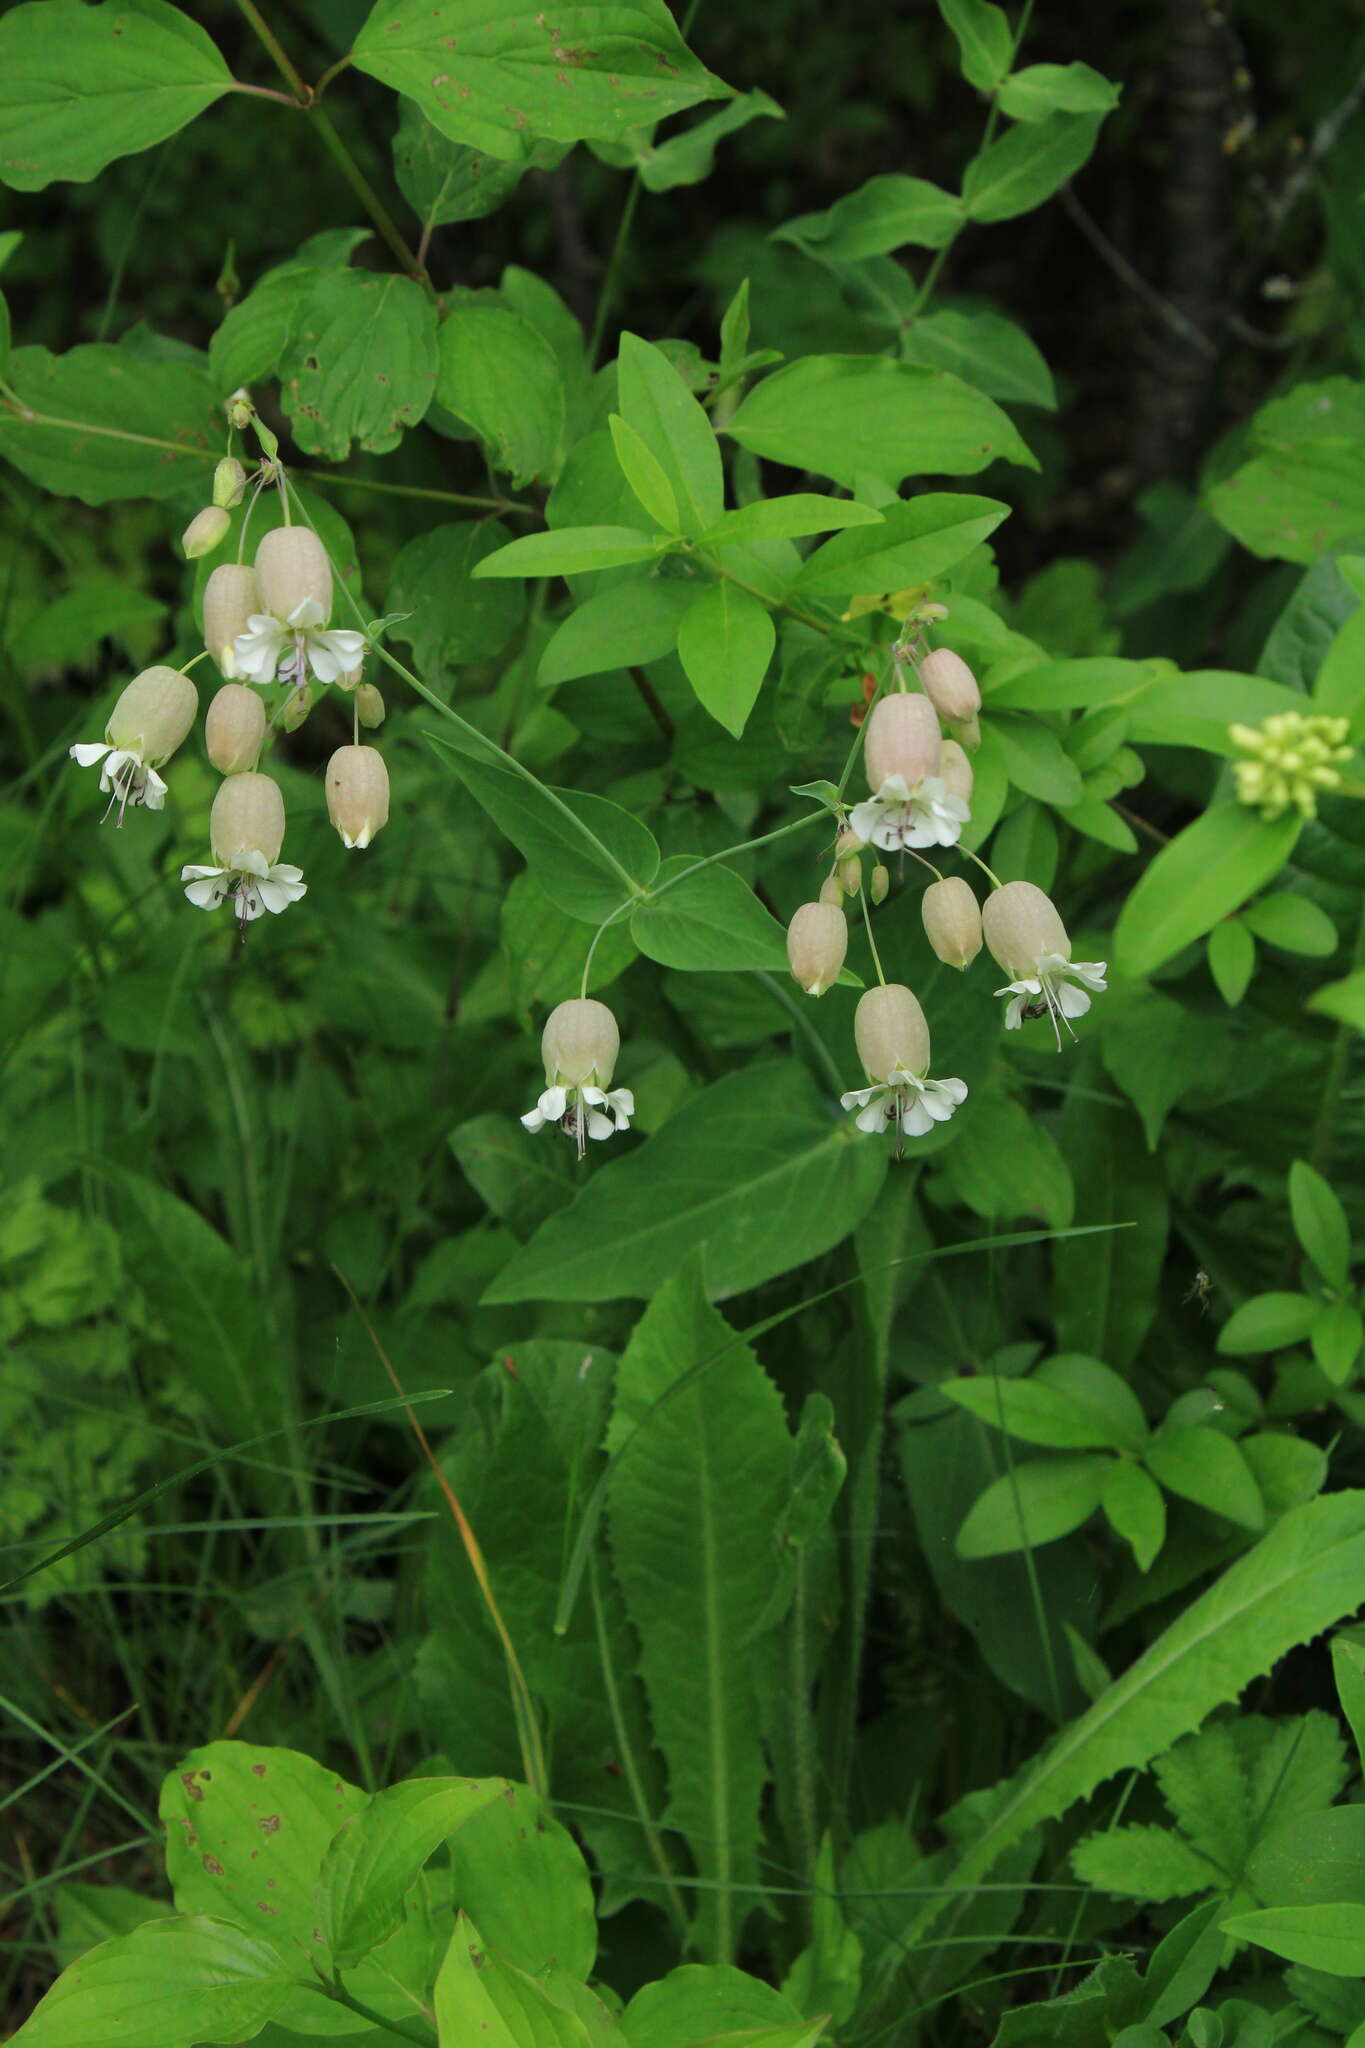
817, 940
1020, 924
847, 848
295, 709
154, 713
239, 409
902, 738
357, 794
949, 685
952, 921
292, 566
206, 531
234, 729
247, 817
579, 1044
231, 596
369, 706
832, 891
890, 1032
968, 732
229, 482
880, 887
956, 770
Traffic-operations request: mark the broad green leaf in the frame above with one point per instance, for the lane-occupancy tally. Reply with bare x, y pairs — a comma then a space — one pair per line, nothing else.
1034, 1413
571, 551
1143, 1863
1267, 1322
375, 1858
1336, 1337
1026, 166
589, 856
1339, 687
645, 474
1344, 1000
1036, 761
787, 518
1135, 1510
1101, 1391
916, 541
879, 217
479, 1997
1196, 709
1296, 924
627, 626
1042, 89
445, 181
751, 1169
255, 336
1311, 1859
697, 2001
985, 349
1206, 1467
523, 1874
90, 1913
1330, 1937
725, 642
1032, 1504
110, 424
448, 615
1232, 959
82, 85
657, 404
70, 627
1295, 502
488, 79
850, 417
1206, 872
1077, 684
500, 376
711, 923
985, 40
1303, 1576
1005, 1163
687, 158
170, 1984
1320, 1223
1348, 1670
361, 365
693, 1499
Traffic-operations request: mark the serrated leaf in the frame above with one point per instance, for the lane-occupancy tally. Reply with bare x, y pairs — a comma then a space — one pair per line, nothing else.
361, 364
1143, 1863
725, 642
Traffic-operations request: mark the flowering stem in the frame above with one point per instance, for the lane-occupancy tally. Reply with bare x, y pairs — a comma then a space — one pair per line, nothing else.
621, 911
365, 483
867, 922
991, 876
193, 662
796, 1010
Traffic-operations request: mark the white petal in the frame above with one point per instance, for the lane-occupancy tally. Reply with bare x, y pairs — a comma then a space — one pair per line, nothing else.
1090, 974
600, 1126
333, 655
1020, 988
553, 1104
208, 892
277, 895
876, 1116
249, 903
1072, 1002
865, 817
256, 653
153, 791
955, 1090
596, 1096
1014, 1011
895, 790
87, 752
535, 1120
621, 1103
858, 1095
306, 614
251, 861
916, 1119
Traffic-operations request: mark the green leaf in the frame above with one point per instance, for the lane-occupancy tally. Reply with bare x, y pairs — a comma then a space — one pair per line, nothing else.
1143, 1863
1232, 959
488, 79
479, 1997
445, 181
361, 365
1296, 502
6, 336
1033, 1412
82, 85
1036, 761
1296, 924
256, 334
694, 1496
624, 627
751, 1169
917, 540
127, 427
1339, 687
644, 474
711, 923
375, 1858
1344, 1000
589, 856
1074, 684
1268, 1322
1026, 166
985, 349
787, 518
1033, 1504
687, 158
1135, 1510
1311, 1859
1348, 1669
1005, 1163
169, 1984
1336, 1337
500, 376
1320, 1223
1105, 1287
571, 551
450, 616
725, 642
1330, 1938
1208, 871
698, 2001
1206, 1467
985, 40
879, 217
657, 404
1101, 1391
849, 417
1042, 89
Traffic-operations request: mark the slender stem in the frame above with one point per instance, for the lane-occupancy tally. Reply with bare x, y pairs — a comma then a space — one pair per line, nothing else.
339, 1995
778, 604
329, 74
796, 1010
992, 877
27, 417
615, 918
365, 483
264, 92
867, 923
607, 296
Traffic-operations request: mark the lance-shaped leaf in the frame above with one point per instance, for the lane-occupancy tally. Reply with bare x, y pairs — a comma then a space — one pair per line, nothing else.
923, 538
169, 1984
1206, 872
376, 1858
725, 642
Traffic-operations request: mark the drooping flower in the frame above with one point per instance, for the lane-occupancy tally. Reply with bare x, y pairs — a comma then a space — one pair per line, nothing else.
1026, 936
231, 597
911, 804
952, 920
1293, 757
817, 940
289, 636
579, 1046
892, 1038
234, 729
246, 831
949, 685
357, 794
149, 721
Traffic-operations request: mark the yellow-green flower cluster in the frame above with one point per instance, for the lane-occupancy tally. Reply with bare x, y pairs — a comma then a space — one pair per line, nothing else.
1292, 756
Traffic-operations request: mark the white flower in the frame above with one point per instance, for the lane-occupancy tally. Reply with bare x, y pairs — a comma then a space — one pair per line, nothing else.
912, 1102
284, 650
582, 1111
899, 816
255, 886
1048, 992
125, 775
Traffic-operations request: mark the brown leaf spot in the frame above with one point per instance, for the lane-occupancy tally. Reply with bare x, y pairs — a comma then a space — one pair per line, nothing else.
191, 1789
213, 1866
269, 1823
264, 1906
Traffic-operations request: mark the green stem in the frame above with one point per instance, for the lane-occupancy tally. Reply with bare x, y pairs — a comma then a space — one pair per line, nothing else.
365, 483
991, 876
796, 1010
607, 296
28, 418
337, 1992
778, 604
802, 1738
867, 923
615, 918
